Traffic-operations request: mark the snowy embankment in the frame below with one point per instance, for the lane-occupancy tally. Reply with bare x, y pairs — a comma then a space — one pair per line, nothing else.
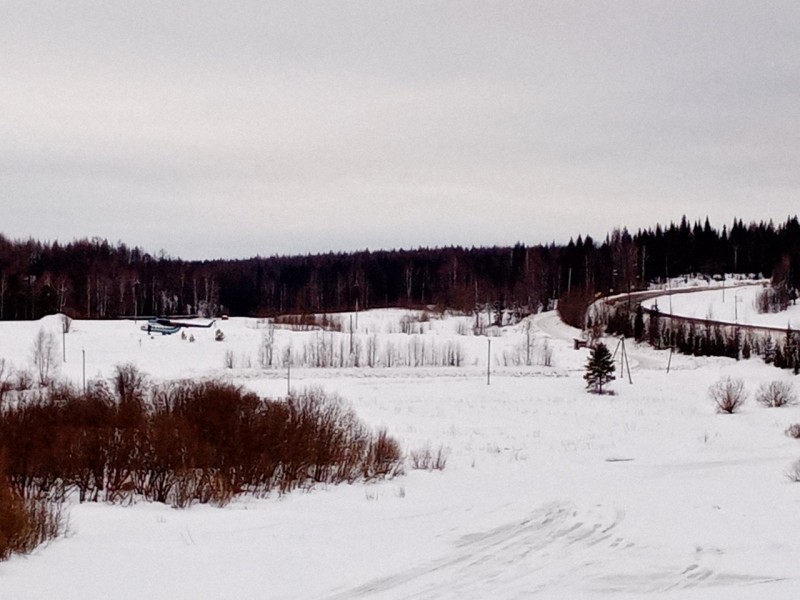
548, 491
729, 305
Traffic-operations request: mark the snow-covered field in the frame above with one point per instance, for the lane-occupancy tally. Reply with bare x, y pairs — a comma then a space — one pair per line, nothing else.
548, 492
731, 305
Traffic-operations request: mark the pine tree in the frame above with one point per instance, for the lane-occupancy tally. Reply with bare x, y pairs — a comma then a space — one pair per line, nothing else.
599, 369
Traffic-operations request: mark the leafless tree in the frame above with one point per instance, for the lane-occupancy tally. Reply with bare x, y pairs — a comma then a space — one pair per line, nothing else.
5, 379
266, 348
372, 350
44, 355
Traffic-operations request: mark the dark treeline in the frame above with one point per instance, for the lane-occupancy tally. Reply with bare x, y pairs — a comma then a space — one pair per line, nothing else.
96, 279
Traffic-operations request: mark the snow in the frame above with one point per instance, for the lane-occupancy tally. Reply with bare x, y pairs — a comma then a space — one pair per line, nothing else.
548, 491
735, 305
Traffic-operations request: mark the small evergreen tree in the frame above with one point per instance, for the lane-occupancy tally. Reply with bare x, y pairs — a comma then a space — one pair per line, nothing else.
599, 369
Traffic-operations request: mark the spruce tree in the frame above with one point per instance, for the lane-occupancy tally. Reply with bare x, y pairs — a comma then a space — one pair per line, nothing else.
599, 369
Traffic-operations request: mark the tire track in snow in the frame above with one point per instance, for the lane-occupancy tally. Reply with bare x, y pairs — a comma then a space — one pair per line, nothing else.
528, 555
556, 549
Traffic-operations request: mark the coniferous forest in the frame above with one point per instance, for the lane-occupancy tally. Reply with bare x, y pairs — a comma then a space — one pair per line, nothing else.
97, 279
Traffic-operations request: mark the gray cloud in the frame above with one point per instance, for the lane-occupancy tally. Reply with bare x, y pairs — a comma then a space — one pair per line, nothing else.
211, 129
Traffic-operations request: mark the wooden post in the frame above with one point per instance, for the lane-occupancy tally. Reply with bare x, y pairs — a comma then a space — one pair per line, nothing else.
528, 346
627, 361
489, 363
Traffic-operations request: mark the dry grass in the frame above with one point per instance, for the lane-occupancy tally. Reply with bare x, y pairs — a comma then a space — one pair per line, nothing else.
429, 460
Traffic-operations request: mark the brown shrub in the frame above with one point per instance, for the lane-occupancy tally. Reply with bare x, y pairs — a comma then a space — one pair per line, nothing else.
384, 458
26, 522
186, 442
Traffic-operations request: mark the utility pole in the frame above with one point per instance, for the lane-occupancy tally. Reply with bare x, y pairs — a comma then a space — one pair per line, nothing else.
289, 371
644, 263
83, 351
669, 283
528, 344
351, 335
489, 363
136, 301
357, 289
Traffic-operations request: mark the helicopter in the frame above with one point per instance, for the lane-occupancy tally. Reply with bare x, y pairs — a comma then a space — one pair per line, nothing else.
167, 325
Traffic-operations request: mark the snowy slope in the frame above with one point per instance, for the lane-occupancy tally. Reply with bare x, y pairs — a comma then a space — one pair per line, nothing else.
735, 305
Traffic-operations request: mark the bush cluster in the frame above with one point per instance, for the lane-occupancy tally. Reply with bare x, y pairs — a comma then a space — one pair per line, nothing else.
184, 442
729, 394
26, 522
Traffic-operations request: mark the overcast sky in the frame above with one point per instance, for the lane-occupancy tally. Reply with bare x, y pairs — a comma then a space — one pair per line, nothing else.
230, 129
